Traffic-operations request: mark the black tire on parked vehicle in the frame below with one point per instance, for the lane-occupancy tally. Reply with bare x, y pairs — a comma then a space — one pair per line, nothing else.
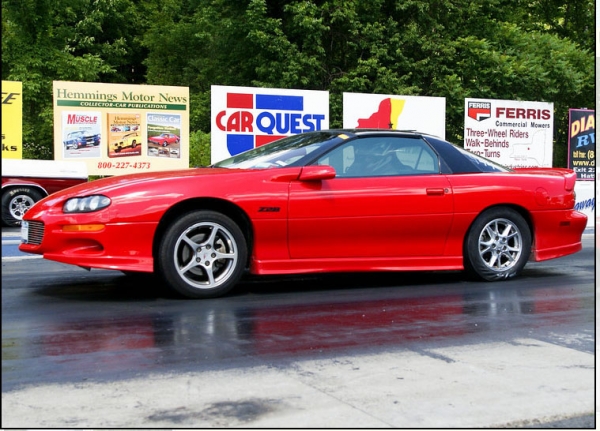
498, 245
165, 143
202, 254
16, 202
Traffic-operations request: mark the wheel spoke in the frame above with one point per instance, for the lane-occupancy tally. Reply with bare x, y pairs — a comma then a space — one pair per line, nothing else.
191, 264
514, 234
493, 259
221, 255
192, 244
509, 256
491, 231
507, 230
213, 235
485, 250
513, 250
211, 275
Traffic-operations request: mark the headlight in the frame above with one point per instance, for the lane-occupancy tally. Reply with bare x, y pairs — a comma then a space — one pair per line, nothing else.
86, 204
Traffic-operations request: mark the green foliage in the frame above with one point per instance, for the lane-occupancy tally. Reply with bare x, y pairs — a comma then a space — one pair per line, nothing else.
199, 149
68, 40
541, 50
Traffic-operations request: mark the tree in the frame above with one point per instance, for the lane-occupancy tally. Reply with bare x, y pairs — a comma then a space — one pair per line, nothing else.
70, 40
496, 49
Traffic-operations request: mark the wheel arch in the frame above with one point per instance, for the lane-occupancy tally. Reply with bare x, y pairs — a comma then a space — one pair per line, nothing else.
522, 211
9, 186
237, 214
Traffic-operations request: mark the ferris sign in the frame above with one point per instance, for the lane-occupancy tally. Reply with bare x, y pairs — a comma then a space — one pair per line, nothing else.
512, 133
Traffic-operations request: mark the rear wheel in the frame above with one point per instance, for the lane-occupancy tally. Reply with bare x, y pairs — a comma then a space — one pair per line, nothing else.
203, 254
498, 245
16, 202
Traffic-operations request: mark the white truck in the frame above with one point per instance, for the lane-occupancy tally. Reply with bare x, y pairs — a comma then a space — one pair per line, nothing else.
24, 182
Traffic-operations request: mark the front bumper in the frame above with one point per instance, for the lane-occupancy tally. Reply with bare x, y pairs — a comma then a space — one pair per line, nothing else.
119, 246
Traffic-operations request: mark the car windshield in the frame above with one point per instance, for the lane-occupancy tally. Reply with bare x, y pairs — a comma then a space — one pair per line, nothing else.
281, 153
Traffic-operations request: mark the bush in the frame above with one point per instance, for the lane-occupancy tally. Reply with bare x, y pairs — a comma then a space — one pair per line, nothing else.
199, 149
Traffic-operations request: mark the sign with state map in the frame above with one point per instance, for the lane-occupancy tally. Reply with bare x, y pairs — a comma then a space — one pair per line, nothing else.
384, 111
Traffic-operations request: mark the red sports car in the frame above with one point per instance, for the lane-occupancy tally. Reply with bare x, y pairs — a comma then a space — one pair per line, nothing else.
334, 200
164, 139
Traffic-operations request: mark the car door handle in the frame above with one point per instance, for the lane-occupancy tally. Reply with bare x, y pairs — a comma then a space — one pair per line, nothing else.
436, 192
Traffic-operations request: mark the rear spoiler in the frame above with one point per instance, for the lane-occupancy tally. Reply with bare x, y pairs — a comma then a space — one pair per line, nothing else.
568, 174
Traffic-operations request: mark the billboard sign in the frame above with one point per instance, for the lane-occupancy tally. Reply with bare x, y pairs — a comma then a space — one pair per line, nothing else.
121, 128
582, 143
585, 195
511, 133
244, 118
12, 120
381, 111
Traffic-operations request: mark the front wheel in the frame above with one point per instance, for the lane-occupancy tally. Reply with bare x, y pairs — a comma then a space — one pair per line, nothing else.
203, 254
498, 245
16, 202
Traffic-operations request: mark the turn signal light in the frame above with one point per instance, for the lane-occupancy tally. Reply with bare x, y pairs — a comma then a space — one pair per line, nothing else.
83, 227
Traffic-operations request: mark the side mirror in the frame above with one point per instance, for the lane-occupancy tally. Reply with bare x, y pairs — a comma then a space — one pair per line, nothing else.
316, 173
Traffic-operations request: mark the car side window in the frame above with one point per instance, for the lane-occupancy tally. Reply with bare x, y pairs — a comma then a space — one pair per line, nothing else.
382, 156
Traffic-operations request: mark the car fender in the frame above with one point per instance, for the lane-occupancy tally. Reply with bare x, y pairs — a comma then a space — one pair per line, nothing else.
9, 184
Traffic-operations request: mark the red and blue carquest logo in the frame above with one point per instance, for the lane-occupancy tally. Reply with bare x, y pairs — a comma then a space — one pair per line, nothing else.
258, 119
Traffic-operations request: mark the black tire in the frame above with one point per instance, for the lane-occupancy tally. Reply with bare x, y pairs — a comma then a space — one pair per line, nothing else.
165, 143
216, 265
498, 245
16, 202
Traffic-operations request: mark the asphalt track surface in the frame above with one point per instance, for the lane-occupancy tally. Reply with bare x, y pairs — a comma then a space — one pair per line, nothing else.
414, 350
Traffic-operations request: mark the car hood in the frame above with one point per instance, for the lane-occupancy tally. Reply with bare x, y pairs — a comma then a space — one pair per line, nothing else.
176, 180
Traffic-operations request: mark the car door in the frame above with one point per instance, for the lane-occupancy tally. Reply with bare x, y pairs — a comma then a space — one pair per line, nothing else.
406, 213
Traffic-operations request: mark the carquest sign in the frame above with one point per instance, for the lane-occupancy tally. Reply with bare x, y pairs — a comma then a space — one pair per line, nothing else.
245, 117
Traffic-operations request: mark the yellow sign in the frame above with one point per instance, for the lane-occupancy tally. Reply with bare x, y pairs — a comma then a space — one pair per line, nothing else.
121, 128
12, 120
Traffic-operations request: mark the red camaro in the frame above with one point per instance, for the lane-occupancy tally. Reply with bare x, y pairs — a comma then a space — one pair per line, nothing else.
164, 139
335, 200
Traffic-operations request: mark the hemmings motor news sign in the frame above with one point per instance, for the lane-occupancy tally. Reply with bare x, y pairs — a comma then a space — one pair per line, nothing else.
243, 118
121, 128
511, 133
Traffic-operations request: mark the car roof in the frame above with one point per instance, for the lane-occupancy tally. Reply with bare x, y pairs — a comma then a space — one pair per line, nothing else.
361, 132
